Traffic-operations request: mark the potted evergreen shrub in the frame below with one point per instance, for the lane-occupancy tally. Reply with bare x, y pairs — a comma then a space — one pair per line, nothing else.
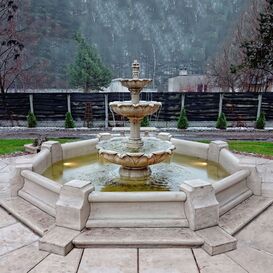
69, 122
31, 120
183, 122
221, 122
261, 121
145, 122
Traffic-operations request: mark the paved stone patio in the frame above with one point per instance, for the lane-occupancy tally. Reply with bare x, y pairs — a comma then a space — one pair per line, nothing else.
19, 248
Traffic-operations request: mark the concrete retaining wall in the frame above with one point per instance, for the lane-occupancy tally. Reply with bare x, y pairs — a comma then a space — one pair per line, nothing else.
79, 148
190, 148
232, 190
40, 191
145, 209
42, 161
154, 209
229, 161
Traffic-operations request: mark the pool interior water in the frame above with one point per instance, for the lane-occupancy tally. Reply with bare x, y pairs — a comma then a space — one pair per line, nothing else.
167, 176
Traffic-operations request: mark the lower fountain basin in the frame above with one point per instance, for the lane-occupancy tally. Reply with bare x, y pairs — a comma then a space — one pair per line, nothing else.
82, 178
166, 176
152, 152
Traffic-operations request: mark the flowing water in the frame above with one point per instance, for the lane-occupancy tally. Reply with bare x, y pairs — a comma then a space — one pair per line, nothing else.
167, 176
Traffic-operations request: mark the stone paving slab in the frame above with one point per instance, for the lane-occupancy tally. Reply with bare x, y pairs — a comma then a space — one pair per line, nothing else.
2, 165
138, 237
57, 264
252, 260
31, 216
267, 189
109, 261
15, 236
259, 233
216, 264
217, 241
22, 260
241, 215
166, 261
4, 171
58, 240
6, 219
4, 186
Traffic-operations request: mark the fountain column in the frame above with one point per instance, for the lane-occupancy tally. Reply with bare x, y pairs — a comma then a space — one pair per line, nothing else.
135, 141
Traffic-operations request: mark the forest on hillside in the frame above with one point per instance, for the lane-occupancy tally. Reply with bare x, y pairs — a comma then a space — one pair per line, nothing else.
162, 34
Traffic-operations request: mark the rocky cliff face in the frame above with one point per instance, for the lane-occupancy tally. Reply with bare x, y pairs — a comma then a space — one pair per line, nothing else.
163, 34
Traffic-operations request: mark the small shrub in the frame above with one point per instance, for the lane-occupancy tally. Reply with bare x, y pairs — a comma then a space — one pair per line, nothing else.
183, 122
221, 122
31, 120
145, 122
261, 121
69, 122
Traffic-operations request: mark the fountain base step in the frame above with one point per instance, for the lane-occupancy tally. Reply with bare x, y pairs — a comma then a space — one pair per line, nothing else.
138, 237
217, 241
237, 218
138, 223
34, 218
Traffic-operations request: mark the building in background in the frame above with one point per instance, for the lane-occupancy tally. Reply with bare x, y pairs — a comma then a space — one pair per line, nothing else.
185, 82
116, 86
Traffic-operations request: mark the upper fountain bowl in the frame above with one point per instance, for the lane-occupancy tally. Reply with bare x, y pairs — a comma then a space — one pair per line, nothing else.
135, 111
135, 84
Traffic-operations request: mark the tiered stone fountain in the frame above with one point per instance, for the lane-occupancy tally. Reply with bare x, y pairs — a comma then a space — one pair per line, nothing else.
135, 154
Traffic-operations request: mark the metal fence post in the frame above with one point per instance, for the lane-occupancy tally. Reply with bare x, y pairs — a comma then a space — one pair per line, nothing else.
69, 103
183, 98
221, 98
106, 110
31, 103
260, 100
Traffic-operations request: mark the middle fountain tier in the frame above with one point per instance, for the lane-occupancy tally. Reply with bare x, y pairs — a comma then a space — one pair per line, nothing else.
135, 154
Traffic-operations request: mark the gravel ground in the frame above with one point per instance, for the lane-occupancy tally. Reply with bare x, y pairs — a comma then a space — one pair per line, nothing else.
190, 134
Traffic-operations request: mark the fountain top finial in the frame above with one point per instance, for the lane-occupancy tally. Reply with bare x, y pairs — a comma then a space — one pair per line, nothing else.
135, 70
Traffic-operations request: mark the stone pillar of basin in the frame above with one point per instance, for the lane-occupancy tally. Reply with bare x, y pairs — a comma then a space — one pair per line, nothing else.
16, 180
73, 208
201, 207
55, 149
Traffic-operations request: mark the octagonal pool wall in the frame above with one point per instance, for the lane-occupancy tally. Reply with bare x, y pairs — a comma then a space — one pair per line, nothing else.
77, 204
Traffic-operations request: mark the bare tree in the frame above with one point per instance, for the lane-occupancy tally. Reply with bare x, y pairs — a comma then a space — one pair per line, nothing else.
11, 47
224, 70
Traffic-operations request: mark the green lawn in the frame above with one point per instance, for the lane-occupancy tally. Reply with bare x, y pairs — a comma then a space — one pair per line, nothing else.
253, 147
8, 146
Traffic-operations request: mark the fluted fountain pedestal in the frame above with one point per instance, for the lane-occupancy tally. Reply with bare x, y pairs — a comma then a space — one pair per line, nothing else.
135, 173
135, 112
